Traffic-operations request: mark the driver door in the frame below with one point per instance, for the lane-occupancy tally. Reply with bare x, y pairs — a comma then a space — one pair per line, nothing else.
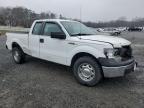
52, 49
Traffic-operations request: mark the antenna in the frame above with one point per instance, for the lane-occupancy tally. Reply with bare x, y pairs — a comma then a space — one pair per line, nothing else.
80, 18
80, 13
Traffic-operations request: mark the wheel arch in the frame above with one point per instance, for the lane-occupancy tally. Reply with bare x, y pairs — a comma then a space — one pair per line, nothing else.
82, 54
15, 44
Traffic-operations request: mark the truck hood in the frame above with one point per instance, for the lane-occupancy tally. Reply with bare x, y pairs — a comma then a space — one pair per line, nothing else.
115, 41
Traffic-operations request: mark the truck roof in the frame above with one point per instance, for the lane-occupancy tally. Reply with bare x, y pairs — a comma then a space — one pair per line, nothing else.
57, 20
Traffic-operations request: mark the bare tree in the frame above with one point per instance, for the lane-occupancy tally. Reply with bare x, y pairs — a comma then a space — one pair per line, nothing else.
20, 16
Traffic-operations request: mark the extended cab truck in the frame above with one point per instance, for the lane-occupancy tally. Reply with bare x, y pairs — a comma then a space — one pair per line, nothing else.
71, 43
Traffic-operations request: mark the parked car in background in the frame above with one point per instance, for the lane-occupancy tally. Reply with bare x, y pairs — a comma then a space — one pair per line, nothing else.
111, 31
122, 29
135, 29
98, 31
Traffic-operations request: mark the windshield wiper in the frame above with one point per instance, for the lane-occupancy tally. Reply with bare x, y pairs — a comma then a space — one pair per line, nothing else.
80, 34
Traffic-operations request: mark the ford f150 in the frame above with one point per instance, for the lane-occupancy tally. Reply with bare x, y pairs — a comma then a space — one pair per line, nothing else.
91, 57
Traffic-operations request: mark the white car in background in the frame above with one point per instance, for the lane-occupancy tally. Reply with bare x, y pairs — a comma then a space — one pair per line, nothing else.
112, 31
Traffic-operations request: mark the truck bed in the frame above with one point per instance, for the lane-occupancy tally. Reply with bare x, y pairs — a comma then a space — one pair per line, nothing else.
19, 37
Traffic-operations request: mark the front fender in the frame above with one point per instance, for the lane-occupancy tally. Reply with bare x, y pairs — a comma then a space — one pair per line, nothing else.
85, 49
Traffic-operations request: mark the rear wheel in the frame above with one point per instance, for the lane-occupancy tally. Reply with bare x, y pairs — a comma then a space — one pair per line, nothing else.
18, 55
87, 71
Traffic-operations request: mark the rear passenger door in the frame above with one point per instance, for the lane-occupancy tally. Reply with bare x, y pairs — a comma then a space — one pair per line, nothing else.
34, 39
52, 49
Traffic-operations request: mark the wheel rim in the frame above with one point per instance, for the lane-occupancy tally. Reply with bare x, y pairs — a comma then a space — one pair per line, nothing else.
16, 56
86, 72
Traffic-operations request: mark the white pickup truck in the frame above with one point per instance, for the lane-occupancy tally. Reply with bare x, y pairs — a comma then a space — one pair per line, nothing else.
91, 57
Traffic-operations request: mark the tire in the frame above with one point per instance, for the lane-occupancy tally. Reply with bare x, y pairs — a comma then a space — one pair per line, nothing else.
87, 71
18, 55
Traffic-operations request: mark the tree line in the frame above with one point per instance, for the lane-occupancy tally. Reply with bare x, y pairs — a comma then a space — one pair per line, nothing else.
117, 23
20, 16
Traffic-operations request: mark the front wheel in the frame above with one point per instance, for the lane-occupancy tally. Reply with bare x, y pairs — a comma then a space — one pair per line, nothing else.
18, 55
87, 71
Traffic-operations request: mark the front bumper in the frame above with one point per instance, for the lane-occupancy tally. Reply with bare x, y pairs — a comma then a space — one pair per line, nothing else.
112, 68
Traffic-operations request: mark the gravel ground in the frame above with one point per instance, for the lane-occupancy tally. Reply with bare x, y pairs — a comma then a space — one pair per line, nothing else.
42, 84
134, 37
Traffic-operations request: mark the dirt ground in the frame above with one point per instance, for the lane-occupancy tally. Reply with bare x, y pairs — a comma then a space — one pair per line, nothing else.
42, 84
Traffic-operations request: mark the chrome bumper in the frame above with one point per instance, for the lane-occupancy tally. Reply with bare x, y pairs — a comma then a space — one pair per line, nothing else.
120, 71
113, 68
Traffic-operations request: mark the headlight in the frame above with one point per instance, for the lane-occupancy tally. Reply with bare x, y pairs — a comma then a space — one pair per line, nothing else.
111, 53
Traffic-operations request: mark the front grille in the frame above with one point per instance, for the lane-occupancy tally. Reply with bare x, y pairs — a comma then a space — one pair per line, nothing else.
126, 52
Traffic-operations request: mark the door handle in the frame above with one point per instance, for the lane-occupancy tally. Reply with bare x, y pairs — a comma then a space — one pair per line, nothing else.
72, 43
41, 40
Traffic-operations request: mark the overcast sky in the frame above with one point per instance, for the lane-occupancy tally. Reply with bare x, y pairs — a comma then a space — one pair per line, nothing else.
92, 10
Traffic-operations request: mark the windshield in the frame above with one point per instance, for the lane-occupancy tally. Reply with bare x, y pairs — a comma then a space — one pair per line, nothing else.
77, 28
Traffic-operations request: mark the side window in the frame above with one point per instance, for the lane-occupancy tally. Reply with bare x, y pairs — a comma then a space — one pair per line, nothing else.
37, 28
51, 27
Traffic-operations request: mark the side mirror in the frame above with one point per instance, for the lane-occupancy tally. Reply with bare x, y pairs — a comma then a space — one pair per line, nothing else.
58, 35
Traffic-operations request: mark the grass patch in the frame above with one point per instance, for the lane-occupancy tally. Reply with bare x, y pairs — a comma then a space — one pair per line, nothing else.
5, 29
3, 32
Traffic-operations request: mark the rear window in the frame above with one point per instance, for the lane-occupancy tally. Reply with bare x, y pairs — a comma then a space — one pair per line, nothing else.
37, 28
